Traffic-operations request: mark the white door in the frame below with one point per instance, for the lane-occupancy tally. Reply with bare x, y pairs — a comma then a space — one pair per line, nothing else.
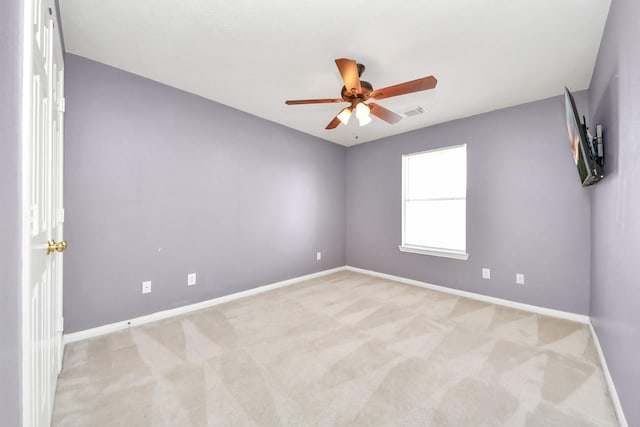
43, 105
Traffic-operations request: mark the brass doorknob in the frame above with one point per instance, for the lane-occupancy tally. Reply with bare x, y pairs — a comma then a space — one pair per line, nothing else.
58, 247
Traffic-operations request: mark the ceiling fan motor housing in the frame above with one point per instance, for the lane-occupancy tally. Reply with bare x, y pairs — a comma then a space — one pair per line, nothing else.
357, 97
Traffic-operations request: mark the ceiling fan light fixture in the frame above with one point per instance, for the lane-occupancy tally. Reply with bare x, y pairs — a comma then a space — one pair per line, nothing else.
365, 120
345, 115
362, 111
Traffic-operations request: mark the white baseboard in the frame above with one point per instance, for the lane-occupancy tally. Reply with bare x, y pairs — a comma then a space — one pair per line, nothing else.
124, 324
615, 400
117, 326
581, 318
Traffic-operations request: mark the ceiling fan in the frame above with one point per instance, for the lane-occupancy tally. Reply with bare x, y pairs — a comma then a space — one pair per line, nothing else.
356, 92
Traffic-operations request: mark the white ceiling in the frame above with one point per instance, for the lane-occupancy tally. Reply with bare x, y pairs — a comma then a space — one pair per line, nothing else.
253, 55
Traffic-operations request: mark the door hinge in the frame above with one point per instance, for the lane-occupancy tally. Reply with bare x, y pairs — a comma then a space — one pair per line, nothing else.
60, 324
62, 103
61, 215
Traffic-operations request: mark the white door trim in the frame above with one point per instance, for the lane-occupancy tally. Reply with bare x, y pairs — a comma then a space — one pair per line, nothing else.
27, 58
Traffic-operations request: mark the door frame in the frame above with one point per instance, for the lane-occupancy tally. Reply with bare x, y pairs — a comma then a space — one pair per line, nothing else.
25, 169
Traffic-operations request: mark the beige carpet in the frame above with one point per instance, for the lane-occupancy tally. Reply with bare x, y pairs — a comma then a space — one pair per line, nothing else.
347, 350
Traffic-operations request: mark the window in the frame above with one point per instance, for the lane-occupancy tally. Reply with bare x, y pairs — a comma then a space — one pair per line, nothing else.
434, 202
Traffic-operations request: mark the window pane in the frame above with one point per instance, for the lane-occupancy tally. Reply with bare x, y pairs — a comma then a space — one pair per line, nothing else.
437, 224
437, 174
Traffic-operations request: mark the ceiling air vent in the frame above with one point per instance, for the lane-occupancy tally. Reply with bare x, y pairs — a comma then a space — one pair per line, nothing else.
414, 112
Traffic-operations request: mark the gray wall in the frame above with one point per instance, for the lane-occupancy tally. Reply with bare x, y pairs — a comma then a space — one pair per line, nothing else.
526, 210
161, 183
10, 116
614, 99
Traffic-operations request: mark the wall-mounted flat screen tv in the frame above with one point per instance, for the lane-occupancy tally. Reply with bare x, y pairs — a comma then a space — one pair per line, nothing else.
582, 147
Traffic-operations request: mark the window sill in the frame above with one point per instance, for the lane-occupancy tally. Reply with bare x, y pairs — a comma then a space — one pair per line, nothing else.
434, 252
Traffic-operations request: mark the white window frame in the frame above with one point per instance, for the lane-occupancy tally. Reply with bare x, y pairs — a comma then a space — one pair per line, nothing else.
425, 250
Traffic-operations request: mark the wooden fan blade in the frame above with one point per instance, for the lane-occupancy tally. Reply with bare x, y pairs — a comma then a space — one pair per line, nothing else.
313, 101
334, 123
386, 115
424, 83
349, 71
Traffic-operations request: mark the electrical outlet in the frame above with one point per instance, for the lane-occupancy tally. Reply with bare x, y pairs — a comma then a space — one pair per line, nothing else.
146, 287
519, 279
318, 256
486, 273
191, 279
